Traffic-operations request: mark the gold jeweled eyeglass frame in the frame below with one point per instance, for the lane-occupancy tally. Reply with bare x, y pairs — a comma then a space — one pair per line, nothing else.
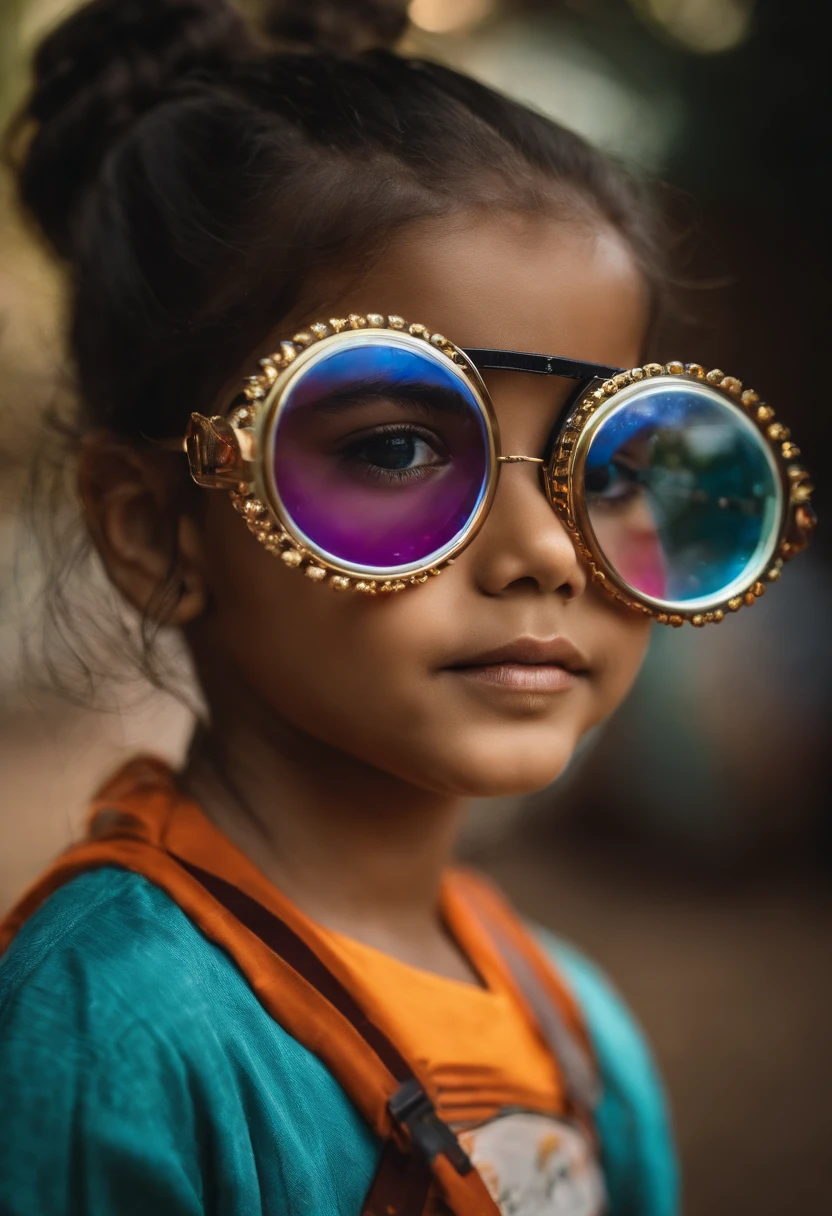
230, 452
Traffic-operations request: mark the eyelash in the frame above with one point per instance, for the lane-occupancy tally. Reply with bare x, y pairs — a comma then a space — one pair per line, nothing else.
400, 476
632, 488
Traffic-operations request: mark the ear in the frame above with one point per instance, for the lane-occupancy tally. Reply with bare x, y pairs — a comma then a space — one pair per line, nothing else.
133, 503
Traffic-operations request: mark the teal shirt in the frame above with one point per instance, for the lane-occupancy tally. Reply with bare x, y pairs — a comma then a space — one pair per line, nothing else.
139, 1074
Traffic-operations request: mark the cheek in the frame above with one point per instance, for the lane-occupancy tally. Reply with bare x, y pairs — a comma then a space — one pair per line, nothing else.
340, 665
620, 638
361, 674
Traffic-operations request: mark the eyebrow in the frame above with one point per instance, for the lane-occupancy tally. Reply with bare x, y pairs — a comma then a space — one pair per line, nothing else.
412, 393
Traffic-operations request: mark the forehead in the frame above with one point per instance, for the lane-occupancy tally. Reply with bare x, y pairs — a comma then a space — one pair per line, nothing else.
525, 283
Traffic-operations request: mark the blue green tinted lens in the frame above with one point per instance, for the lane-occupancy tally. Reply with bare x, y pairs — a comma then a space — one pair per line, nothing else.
682, 493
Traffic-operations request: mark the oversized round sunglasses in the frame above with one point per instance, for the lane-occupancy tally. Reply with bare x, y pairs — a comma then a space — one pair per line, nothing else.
366, 453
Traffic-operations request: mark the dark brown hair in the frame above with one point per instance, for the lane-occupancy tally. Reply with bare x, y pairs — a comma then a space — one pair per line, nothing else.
193, 176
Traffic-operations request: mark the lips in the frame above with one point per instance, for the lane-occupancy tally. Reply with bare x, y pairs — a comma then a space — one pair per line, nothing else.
530, 652
527, 665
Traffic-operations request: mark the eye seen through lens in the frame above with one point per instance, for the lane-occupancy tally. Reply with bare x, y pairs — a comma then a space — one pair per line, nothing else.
381, 454
682, 493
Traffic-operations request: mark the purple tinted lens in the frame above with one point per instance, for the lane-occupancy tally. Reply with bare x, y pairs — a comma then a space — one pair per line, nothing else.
381, 454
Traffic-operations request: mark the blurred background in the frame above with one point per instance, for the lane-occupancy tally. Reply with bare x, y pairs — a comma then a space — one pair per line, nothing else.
688, 848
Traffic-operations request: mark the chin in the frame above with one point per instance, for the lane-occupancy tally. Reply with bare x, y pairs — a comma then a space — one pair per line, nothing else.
504, 768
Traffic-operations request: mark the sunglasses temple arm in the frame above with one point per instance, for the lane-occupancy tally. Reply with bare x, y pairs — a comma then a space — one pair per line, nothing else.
487, 359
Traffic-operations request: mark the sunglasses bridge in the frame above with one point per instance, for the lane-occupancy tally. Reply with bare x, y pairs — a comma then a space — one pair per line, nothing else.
520, 460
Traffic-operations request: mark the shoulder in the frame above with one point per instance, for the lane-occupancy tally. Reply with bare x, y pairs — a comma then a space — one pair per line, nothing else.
114, 941
632, 1118
110, 957
126, 1031
111, 970
106, 991
110, 975
86, 1057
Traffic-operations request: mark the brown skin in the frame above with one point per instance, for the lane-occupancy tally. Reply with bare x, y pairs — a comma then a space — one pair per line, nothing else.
347, 742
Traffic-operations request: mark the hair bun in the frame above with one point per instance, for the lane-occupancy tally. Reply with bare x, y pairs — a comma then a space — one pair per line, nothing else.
130, 50
340, 27
97, 72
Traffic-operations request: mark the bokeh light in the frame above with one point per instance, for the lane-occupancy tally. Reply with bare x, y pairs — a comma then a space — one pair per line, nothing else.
448, 16
705, 26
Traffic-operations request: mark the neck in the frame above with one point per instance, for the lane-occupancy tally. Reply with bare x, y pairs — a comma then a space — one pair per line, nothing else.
357, 849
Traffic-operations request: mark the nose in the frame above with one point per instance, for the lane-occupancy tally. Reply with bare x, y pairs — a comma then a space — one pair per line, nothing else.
523, 546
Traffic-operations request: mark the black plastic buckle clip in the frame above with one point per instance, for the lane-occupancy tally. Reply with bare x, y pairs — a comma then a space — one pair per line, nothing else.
411, 1107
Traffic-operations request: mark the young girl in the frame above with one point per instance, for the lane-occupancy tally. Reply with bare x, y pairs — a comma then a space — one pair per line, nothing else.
316, 280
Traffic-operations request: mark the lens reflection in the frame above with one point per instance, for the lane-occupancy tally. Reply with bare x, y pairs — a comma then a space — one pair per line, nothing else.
381, 454
681, 492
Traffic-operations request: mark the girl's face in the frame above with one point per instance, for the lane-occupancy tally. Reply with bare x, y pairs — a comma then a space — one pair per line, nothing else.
479, 682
